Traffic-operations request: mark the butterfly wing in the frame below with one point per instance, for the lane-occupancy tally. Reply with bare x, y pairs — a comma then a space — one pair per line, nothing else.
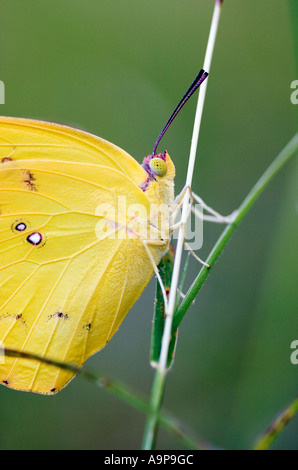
67, 278
29, 139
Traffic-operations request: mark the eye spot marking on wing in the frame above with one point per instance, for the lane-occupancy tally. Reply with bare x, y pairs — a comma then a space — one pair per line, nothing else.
19, 225
35, 238
5, 382
53, 390
29, 180
59, 315
87, 326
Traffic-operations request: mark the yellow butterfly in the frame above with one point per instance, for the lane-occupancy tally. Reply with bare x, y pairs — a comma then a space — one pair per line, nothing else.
81, 224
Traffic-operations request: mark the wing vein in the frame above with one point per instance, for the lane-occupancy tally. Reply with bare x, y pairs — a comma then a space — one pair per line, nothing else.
35, 194
83, 312
39, 314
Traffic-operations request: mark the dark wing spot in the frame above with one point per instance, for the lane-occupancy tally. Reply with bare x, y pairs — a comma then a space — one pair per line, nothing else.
59, 315
6, 159
13, 317
35, 238
5, 382
53, 390
21, 318
21, 227
87, 326
29, 180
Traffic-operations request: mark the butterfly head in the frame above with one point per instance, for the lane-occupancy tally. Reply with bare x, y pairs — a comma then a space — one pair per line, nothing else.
159, 168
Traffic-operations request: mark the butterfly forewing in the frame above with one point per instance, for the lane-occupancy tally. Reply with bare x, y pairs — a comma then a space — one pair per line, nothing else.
66, 278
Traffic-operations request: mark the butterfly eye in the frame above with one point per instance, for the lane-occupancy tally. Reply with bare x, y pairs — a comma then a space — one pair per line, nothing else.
158, 166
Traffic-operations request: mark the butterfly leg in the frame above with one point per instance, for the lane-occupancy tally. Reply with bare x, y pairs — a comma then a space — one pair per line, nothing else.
181, 222
195, 255
178, 203
179, 200
212, 217
187, 246
215, 216
163, 290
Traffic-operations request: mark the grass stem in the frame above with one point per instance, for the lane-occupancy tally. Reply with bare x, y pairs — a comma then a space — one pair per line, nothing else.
160, 375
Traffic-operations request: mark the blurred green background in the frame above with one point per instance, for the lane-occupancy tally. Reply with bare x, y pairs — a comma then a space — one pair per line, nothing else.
117, 69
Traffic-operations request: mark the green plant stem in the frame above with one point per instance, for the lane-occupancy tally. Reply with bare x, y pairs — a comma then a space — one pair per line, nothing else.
160, 377
277, 426
253, 195
121, 391
154, 411
161, 372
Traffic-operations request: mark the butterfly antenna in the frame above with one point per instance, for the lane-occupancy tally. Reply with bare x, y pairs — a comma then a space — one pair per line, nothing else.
202, 75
